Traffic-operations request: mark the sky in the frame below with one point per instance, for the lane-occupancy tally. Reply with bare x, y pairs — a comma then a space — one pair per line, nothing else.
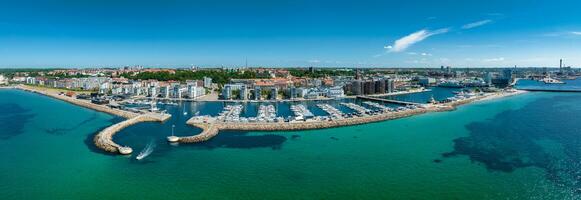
173, 33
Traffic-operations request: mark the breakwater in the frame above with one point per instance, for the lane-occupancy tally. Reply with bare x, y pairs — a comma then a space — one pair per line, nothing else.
104, 139
210, 130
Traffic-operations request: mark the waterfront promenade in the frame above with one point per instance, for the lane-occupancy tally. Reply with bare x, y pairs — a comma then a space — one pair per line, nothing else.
211, 128
79, 102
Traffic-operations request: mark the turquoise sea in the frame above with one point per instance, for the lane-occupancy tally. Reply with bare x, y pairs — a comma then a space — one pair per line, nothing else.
521, 147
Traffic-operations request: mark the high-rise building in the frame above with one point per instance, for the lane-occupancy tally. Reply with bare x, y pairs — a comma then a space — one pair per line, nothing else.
207, 81
390, 86
227, 92
292, 92
369, 87
257, 93
243, 93
273, 93
379, 86
357, 87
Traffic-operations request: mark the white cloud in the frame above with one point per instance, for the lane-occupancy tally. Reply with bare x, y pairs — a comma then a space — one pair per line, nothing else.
426, 54
476, 24
575, 32
499, 59
403, 43
314, 61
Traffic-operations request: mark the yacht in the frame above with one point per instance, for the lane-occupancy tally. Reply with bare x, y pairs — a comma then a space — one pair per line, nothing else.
550, 80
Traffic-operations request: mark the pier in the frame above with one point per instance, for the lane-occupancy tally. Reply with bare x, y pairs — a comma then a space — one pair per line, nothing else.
377, 105
333, 112
359, 109
387, 100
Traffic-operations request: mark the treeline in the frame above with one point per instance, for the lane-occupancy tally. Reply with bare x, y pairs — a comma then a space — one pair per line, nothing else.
218, 76
318, 73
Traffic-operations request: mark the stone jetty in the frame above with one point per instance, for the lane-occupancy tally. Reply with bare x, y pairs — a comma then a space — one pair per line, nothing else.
104, 139
211, 129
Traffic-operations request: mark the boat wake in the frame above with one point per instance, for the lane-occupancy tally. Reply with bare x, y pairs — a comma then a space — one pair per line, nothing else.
146, 151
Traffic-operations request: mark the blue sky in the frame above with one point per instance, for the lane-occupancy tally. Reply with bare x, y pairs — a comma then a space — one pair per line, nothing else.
339, 33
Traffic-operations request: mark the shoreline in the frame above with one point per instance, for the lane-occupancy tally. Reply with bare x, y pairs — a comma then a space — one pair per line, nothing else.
209, 130
104, 139
78, 102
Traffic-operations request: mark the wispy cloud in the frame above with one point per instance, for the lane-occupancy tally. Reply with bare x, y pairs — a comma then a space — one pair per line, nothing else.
314, 61
403, 43
476, 24
499, 59
562, 34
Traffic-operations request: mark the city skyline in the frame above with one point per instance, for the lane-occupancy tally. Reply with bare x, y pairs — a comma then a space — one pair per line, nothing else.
289, 34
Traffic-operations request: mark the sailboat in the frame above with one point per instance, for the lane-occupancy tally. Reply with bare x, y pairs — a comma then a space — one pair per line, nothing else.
173, 138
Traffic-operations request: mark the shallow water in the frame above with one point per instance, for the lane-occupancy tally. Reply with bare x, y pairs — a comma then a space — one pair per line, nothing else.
522, 147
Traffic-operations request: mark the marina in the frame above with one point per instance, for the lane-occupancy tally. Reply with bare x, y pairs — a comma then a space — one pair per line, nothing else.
266, 118
211, 126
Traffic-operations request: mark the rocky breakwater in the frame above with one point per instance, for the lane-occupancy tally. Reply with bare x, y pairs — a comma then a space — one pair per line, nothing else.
104, 139
211, 129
